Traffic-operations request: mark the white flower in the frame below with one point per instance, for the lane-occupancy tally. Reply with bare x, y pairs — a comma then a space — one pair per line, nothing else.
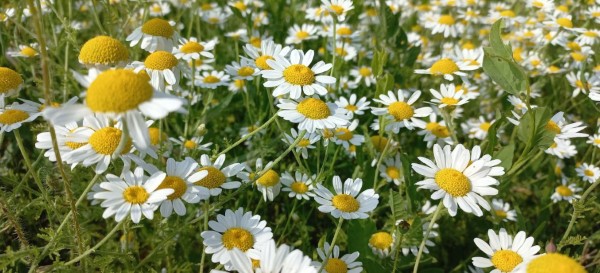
312, 114
353, 106
392, 170
194, 143
24, 51
304, 144
64, 138
132, 194
155, 34
273, 259
436, 132
244, 70
502, 210
335, 263
347, 137
298, 34
588, 173
192, 49
211, 80
268, 51
400, 113
562, 149
382, 243
564, 131
448, 96
594, 140
294, 76
346, 203
338, 7
363, 73
161, 66
445, 24
566, 192
14, 115
218, 178
299, 186
269, 183
477, 128
504, 253
447, 67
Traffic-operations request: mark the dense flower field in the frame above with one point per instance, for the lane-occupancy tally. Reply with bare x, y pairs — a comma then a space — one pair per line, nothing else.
300, 136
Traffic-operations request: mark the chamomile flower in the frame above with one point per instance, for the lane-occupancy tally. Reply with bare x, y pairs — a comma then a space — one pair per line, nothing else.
159, 9
298, 34
244, 70
64, 138
448, 68
191, 144
594, 140
212, 79
192, 49
448, 96
504, 252
346, 202
457, 180
11, 82
392, 170
155, 34
218, 178
502, 210
334, 263
294, 76
445, 24
436, 132
268, 51
24, 51
312, 114
382, 243
269, 183
477, 128
338, 8
559, 20
399, 113
346, 135
363, 73
543, 5
562, 148
273, 260
235, 229
102, 52
588, 172
299, 186
14, 115
551, 263
352, 105
583, 82
307, 141
162, 67
132, 194
558, 125
566, 192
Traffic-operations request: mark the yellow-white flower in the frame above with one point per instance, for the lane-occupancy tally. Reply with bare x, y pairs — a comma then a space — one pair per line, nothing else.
268, 51
312, 114
448, 68
504, 252
244, 70
334, 263
273, 260
588, 172
338, 8
299, 186
502, 210
24, 51
400, 113
162, 67
14, 115
346, 202
155, 34
192, 49
382, 243
298, 34
212, 79
218, 178
448, 96
566, 192
392, 170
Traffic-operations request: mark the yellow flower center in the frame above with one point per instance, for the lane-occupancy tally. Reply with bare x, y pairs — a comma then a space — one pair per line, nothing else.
344, 31
508, 13
190, 144
344, 134
364, 71
506, 260
379, 142
538, 4
590, 34
118, 91
345, 203
453, 182
261, 62
12, 116
337, 9
371, 12
302, 34
446, 20
240, 5
381, 240
299, 187
440, 131
564, 22
485, 126
335, 265
588, 172
574, 46
103, 50
245, 71
269, 179
449, 101
192, 47
214, 179
106, 140
351, 107
564, 191
553, 127
401, 110
9, 80
299, 74
578, 56
313, 108
211, 79
500, 213
156, 137
238, 238
443, 67
303, 142
160, 60
158, 27
597, 141
28, 51
555, 263
175, 183
239, 83
135, 195
393, 172
256, 41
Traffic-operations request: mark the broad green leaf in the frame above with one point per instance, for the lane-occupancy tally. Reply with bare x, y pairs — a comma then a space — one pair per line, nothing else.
532, 128
505, 72
359, 232
411, 56
500, 48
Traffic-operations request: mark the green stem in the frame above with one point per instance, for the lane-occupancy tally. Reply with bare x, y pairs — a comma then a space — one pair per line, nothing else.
448, 118
332, 245
397, 250
98, 245
14, 222
334, 46
35, 175
575, 214
426, 236
249, 135
288, 221
381, 157
205, 227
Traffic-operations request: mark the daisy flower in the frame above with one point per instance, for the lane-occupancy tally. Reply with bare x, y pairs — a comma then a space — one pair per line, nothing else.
363, 73
477, 128
192, 49
269, 183
457, 180
312, 114
298, 34
588, 172
218, 178
445, 24
400, 113
132, 194
103, 52
561, 149
353, 106
244, 70
594, 140
180, 176
551, 263
448, 96
592, 83
344, 50
159, 9
299, 186
11, 82
304, 144
64, 137
559, 20
268, 51
347, 263
447, 67
502, 210
382, 243
191, 144
294, 76
14, 115
161, 66
504, 252
557, 124
240, 230
338, 7
566, 192
436, 132
120, 93
392, 170
211, 80
345, 135
155, 34
346, 203
273, 259
543, 5
24, 51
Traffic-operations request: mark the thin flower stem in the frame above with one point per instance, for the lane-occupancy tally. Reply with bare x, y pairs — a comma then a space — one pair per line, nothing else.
288, 221
98, 245
381, 157
249, 135
205, 227
332, 245
575, 214
448, 118
286, 152
123, 141
334, 46
14, 222
422, 246
397, 250
34, 173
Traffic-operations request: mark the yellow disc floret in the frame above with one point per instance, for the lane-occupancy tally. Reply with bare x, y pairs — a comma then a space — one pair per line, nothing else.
192, 47
245, 71
446, 20
214, 179
175, 183
160, 60
381, 240
135, 195
313, 108
269, 179
299, 74
158, 27
238, 238
564, 191
553, 127
555, 263
103, 50
393, 172
453, 182
444, 66
261, 62
10, 80
401, 110
106, 141
117, 91
335, 265
28, 51
12, 116
506, 260
299, 187
345, 203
